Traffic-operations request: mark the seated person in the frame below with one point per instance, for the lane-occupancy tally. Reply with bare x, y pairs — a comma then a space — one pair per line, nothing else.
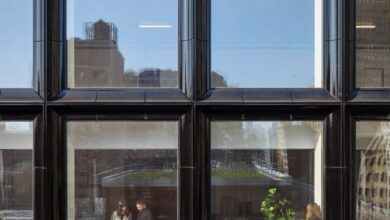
313, 211
144, 212
122, 212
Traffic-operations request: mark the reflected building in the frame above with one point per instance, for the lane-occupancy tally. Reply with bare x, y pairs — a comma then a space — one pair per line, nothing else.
373, 182
98, 62
97, 59
218, 80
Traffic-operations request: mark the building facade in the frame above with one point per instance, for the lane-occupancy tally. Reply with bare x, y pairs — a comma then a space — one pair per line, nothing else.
207, 109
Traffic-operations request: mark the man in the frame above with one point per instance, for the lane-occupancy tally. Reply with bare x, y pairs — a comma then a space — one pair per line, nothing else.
144, 212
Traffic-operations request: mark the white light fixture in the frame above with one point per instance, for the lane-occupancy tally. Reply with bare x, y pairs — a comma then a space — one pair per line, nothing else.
155, 26
366, 26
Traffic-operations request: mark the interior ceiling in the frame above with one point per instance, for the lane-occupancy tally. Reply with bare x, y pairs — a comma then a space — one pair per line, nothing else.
373, 12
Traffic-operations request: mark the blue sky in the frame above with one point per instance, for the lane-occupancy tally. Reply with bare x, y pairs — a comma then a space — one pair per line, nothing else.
264, 43
256, 43
16, 37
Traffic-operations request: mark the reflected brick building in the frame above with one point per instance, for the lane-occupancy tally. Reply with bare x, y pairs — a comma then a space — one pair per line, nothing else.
98, 63
97, 59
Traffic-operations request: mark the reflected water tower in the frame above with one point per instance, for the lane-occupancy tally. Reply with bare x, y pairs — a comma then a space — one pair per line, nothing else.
101, 30
97, 59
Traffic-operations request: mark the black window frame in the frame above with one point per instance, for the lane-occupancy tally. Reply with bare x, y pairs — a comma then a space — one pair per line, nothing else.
59, 116
33, 113
354, 114
36, 93
356, 94
57, 64
334, 191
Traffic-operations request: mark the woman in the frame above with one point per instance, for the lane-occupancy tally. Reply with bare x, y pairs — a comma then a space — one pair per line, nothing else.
313, 211
122, 213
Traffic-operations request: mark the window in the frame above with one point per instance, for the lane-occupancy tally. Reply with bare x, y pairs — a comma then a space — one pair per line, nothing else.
383, 177
368, 177
372, 162
372, 141
372, 43
16, 170
122, 43
112, 162
266, 44
376, 177
16, 44
252, 159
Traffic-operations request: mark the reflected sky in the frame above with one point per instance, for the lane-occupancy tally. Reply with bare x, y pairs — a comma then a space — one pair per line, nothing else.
256, 43
263, 43
16, 54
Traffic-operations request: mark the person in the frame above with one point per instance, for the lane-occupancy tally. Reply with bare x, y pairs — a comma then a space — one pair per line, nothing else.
313, 211
144, 212
122, 212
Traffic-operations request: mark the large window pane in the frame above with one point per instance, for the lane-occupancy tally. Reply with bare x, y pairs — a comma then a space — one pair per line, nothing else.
122, 43
110, 161
372, 44
257, 165
372, 170
16, 170
16, 44
267, 43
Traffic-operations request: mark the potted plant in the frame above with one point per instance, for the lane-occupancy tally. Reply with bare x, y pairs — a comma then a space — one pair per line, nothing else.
276, 207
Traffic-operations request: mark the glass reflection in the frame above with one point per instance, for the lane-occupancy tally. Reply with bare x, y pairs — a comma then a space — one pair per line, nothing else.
116, 171
122, 43
268, 43
16, 170
372, 170
16, 44
372, 44
257, 165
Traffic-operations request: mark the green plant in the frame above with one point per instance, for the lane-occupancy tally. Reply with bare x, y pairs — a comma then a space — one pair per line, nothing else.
276, 207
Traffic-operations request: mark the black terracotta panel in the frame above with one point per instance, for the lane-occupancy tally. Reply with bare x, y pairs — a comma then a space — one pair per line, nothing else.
165, 96
121, 96
312, 96
267, 96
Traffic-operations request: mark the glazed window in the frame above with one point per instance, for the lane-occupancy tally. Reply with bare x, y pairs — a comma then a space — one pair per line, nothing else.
372, 44
16, 44
122, 43
266, 44
255, 161
114, 166
16, 170
372, 141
